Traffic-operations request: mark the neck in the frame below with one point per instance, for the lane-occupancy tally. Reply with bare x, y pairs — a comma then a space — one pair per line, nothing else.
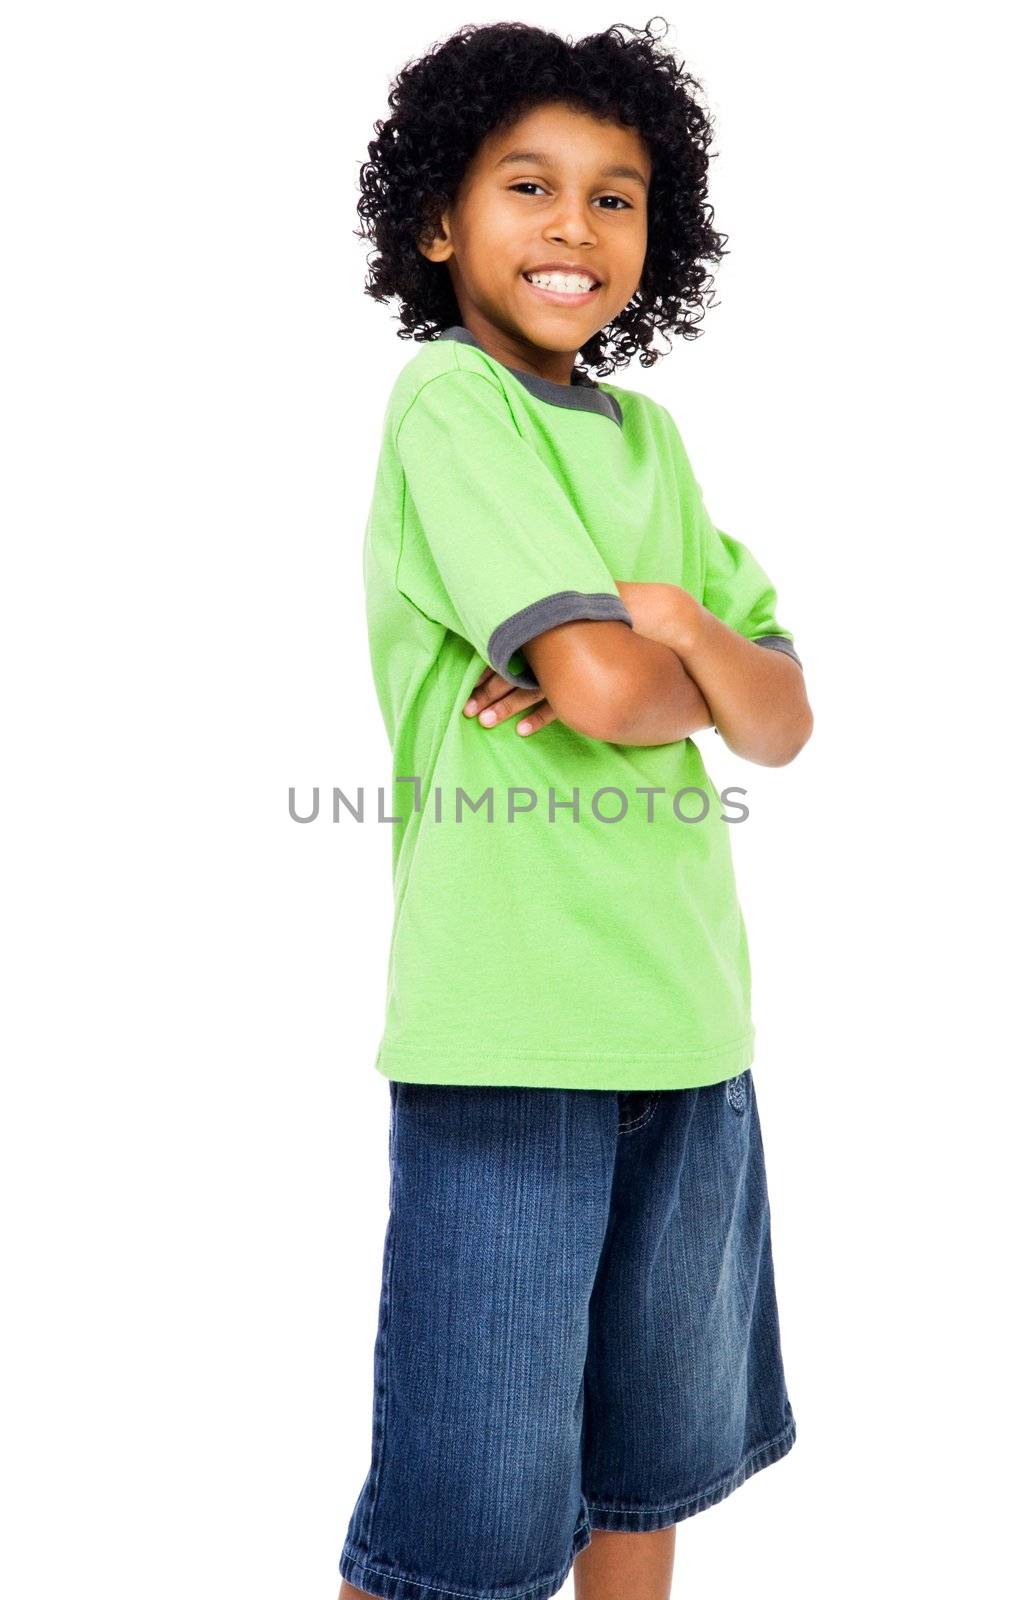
554, 365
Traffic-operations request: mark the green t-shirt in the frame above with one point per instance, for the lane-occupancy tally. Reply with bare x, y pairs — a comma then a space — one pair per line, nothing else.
545, 933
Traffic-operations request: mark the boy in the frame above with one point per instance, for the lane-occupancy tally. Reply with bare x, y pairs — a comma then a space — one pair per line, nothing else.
578, 1341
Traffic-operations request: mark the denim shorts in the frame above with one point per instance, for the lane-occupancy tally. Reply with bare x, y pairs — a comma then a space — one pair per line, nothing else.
577, 1330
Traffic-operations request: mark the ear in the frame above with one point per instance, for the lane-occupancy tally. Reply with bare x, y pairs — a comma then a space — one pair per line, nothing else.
439, 248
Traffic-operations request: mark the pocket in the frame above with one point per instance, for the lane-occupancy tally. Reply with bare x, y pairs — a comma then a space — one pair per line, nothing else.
636, 1108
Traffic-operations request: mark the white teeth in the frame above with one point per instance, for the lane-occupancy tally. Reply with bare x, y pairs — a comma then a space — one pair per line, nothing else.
562, 283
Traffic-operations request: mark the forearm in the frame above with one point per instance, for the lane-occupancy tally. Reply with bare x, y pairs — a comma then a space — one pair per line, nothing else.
609, 682
661, 702
677, 670
757, 697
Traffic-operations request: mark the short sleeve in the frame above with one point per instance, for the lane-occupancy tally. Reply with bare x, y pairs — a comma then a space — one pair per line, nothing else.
491, 545
739, 592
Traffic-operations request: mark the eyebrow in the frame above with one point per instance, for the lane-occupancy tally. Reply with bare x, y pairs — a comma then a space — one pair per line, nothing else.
517, 156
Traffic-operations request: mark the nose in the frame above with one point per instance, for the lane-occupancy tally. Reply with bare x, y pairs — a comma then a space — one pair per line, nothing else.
571, 223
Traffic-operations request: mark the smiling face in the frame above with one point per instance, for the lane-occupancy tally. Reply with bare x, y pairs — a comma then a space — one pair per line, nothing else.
557, 194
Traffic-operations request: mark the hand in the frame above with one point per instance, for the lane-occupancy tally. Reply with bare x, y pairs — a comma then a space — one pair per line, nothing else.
661, 611
498, 699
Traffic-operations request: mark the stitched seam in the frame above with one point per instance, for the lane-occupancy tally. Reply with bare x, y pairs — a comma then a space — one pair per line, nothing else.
482, 377
564, 605
644, 1119
455, 367
673, 1505
460, 1594
544, 399
786, 648
576, 1055
387, 1342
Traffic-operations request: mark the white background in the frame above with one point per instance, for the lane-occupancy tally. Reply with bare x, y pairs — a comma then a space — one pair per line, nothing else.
194, 1140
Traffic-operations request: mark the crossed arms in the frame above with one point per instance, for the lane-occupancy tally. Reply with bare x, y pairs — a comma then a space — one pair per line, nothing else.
678, 669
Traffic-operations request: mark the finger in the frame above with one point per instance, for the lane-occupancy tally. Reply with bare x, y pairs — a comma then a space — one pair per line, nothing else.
537, 719
496, 690
510, 704
489, 686
478, 697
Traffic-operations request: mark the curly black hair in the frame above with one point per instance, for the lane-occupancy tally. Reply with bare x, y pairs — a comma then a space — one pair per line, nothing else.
445, 103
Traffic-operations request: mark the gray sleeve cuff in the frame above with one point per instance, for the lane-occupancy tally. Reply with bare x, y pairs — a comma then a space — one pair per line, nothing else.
568, 605
776, 641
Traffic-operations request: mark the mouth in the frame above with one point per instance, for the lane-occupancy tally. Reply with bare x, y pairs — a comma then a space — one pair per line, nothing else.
562, 288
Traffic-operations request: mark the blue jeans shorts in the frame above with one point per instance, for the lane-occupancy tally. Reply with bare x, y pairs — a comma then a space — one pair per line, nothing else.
577, 1330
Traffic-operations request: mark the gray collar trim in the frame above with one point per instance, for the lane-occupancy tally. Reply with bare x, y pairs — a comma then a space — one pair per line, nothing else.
583, 394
